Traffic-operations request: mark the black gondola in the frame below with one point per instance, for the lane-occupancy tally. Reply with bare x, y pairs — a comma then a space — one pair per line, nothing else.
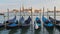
57, 24
47, 23
25, 23
12, 20
12, 23
1, 25
37, 23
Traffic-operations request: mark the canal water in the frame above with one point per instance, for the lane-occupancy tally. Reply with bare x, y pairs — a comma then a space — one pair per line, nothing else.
26, 30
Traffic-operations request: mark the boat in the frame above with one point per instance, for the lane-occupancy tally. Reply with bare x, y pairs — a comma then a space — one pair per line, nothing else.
1, 25
12, 20
12, 23
47, 23
21, 20
25, 23
57, 21
1, 22
37, 23
57, 24
11, 26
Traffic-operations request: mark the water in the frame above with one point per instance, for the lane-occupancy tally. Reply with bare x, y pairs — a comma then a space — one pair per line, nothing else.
26, 30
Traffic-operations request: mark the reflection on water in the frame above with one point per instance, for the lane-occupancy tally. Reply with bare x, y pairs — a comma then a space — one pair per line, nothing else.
12, 31
37, 31
24, 30
18, 31
50, 30
5, 31
1, 28
27, 31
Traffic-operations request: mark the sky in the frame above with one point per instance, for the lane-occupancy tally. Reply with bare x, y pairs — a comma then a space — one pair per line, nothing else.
36, 4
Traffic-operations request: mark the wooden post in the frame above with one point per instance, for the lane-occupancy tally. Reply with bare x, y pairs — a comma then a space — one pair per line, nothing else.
8, 13
47, 14
20, 16
54, 17
32, 23
43, 11
4, 19
42, 14
23, 9
8, 18
55, 14
15, 14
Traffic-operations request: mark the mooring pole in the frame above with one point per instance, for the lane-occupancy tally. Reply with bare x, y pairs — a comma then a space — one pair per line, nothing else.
23, 10
54, 17
8, 18
4, 20
32, 23
42, 14
55, 14
20, 17
47, 14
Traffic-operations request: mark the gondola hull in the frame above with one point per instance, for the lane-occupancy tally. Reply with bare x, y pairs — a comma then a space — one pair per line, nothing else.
37, 27
57, 26
57, 23
25, 23
1, 25
37, 23
37, 31
11, 26
47, 23
49, 27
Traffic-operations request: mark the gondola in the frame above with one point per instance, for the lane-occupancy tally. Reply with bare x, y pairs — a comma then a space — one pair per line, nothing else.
57, 24
1, 26
11, 26
37, 23
21, 20
12, 20
12, 23
26, 23
47, 23
57, 21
